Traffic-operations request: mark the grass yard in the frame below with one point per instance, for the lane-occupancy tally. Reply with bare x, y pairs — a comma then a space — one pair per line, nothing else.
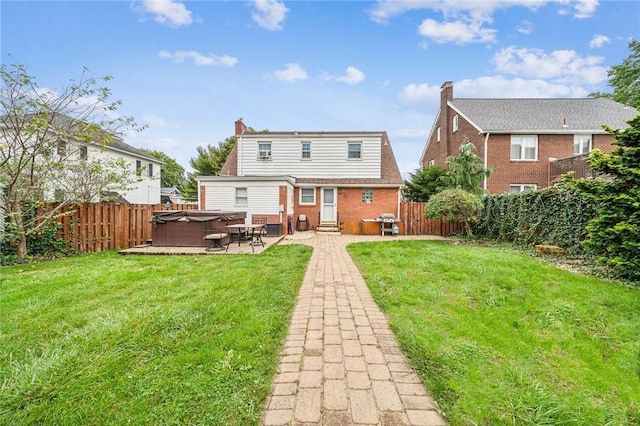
110, 339
504, 338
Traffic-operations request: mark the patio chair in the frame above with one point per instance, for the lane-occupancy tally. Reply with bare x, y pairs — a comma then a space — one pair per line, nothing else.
257, 236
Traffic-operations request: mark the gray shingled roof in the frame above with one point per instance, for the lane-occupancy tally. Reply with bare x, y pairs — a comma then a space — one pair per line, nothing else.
543, 115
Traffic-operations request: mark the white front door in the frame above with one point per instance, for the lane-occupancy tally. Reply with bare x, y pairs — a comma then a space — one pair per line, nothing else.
328, 211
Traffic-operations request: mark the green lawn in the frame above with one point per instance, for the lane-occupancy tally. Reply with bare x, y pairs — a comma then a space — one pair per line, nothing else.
505, 338
110, 339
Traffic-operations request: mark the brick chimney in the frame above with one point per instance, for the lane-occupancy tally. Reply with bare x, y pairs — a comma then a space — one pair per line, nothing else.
446, 94
240, 127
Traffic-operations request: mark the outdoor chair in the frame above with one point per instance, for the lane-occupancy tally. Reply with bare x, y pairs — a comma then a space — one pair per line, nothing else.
257, 236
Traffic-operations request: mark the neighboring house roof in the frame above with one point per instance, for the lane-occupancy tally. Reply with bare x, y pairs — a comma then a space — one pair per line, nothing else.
543, 115
71, 125
389, 172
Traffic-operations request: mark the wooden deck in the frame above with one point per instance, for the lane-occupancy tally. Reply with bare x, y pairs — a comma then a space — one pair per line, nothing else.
243, 248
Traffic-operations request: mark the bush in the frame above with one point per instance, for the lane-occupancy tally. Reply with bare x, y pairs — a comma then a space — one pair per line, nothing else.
457, 205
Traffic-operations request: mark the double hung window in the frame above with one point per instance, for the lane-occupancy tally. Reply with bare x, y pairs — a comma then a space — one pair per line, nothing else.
524, 147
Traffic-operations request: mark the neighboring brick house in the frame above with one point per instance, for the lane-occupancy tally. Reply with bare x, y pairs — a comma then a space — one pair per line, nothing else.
522, 138
306, 179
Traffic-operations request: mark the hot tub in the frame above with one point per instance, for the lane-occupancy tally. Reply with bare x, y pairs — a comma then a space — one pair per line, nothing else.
187, 228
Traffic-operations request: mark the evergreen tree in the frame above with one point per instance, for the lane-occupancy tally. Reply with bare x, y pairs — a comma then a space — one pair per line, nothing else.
423, 183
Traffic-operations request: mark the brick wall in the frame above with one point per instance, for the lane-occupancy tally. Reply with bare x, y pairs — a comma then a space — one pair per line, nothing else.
350, 205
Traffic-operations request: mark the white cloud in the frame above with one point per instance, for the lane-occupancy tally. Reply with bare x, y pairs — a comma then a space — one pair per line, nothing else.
598, 40
269, 14
291, 72
560, 65
351, 76
501, 87
457, 32
199, 59
585, 8
525, 27
415, 94
168, 12
152, 120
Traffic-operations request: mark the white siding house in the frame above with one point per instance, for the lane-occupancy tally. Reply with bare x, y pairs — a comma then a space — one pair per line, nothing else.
324, 178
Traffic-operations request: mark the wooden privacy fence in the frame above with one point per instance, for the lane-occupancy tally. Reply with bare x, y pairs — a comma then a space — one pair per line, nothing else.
93, 227
414, 222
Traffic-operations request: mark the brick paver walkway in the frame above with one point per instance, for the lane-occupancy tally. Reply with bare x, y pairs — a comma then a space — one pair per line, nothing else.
341, 363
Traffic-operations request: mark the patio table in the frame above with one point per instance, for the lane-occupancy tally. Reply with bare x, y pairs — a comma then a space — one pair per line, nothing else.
241, 228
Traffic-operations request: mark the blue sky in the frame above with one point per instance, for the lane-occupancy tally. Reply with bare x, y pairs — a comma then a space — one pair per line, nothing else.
189, 69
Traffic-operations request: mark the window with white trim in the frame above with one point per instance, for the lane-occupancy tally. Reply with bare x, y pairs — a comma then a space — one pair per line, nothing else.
138, 168
438, 135
581, 144
455, 123
367, 195
307, 196
84, 152
241, 197
524, 147
432, 162
522, 187
354, 150
264, 150
306, 150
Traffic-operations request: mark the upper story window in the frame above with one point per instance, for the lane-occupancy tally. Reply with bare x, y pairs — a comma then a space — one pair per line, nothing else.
83, 152
524, 147
138, 168
354, 150
455, 123
581, 144
367, 195
306, 150
432, 162
144, 171
150, 170
438, 135
241, 197
307, 196
522, 187
264, 151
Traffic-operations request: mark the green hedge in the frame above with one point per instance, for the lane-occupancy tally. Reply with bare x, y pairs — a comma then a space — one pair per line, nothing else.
556, 215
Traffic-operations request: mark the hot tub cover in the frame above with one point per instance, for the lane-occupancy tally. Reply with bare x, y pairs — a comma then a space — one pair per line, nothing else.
165, 216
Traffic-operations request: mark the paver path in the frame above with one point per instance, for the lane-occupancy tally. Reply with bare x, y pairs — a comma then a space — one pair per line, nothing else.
341, 363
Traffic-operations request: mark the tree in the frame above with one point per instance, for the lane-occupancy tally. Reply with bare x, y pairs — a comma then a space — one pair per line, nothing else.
625, 79
423, 183
457, 205
466, 171
208, 162
45, 137
614, 235
173, 174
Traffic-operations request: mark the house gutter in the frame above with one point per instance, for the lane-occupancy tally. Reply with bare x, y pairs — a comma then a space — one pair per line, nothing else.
486, 143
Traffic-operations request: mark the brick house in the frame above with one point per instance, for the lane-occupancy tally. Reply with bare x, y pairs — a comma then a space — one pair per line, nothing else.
306, 180
522, 138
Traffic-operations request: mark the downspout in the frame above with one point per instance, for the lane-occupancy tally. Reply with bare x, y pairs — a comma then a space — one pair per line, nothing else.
486, 143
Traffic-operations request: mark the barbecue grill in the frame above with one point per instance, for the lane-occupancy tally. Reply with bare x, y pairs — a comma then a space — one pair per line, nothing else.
388, 224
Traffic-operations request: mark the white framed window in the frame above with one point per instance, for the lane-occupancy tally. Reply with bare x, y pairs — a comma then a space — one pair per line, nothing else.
522, 187
524, 147
241, 197
367, 195
150, 170
307, 196
264, 150
354, 150
581, 144
432, 162
84, 152
455, 123
438, 134
306, 150
138, 168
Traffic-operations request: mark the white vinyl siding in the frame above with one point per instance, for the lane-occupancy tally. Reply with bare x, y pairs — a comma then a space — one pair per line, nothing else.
581, 144
329, 158
263, 198
524, 147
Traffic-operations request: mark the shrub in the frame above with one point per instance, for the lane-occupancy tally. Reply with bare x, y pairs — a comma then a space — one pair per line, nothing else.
455, 204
